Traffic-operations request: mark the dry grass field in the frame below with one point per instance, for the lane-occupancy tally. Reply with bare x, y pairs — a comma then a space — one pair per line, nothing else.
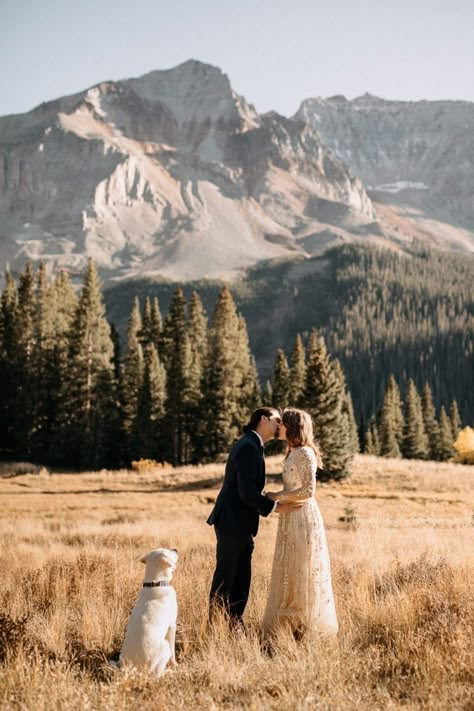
403, 577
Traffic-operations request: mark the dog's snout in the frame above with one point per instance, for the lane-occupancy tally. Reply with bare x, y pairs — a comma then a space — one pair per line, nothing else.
174, 550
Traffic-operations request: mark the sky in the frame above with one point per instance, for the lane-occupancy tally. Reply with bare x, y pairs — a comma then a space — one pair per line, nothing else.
275, 52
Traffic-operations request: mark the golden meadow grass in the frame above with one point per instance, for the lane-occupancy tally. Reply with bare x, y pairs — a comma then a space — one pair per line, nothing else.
403, 577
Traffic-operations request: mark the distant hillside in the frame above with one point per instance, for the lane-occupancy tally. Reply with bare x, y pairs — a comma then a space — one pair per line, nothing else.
381, 312
415, 158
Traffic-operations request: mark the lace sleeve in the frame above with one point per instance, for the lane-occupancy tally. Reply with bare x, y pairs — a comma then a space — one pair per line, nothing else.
303, 460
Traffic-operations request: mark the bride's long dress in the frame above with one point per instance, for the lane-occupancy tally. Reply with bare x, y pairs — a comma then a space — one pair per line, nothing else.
301, 594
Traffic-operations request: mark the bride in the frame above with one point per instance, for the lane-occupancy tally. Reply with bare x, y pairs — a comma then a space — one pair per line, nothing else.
301, 595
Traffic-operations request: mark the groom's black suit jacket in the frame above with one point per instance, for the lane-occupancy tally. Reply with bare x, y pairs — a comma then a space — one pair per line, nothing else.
240, 502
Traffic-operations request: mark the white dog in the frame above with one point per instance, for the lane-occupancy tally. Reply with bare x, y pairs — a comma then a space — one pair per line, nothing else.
151, 631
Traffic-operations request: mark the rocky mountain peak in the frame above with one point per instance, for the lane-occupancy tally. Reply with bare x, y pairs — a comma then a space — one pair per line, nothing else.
173, 174
194, 91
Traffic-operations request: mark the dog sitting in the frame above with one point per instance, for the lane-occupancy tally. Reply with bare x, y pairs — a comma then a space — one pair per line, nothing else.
150, 638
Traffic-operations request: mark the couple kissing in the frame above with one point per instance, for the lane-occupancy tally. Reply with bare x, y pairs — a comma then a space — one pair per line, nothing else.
300, 596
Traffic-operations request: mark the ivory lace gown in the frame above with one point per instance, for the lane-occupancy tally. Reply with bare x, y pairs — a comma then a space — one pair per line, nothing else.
301, 592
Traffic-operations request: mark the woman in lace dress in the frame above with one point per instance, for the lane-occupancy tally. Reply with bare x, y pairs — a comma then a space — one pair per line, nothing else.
301, 595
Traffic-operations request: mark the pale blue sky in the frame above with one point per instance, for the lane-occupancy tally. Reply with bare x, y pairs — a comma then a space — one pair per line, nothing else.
276, 52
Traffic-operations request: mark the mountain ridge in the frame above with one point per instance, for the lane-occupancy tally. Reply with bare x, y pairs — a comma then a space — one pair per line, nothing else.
174, 174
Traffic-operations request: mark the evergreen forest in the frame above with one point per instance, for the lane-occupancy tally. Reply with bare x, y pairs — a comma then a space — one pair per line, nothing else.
377, 346
380, 312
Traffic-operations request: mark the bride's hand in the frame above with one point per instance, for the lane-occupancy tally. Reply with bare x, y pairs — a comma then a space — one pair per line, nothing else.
272, 495
287, 506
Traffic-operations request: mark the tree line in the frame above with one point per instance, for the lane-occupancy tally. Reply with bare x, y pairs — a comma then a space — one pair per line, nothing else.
412, 429
179, 392
380, 311
410, 315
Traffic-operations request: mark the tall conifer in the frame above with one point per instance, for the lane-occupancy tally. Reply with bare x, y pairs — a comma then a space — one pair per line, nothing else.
146, 335
429, 420
390, 424
415, 440
88, 409
64, 310
8, 314
151, 407
156, 323
455, 419
371, 438
297, 373
131, 382
281, 381
249, 394
176, 356
445, 443
324, 398
198, 344
45, 382
226, 392
25, 382
267, 394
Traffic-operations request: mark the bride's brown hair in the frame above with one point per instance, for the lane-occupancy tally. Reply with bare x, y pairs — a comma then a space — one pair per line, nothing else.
299, 432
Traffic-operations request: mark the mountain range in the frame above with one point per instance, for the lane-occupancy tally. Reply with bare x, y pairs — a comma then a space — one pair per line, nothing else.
174, 175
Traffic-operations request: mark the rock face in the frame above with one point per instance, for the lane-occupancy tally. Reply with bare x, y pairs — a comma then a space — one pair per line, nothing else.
417, 157
170, 174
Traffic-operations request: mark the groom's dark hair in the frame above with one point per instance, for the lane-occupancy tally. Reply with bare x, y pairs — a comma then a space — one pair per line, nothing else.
256, 417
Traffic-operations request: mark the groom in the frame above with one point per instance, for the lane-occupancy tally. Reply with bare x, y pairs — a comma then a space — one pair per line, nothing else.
237, 510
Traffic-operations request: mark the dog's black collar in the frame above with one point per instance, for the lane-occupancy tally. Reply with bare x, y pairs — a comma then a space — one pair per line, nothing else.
156, 584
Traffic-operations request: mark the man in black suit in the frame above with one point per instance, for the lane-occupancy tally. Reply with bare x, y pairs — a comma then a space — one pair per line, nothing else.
237, 510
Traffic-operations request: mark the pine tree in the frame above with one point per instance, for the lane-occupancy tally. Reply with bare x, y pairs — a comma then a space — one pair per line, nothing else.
8, 315
197, 331
267, 395
429, 420
176, 356
351, 437
254, 397
88, 409
24, 378
146, 335
156, 324
456, 423
249, 394
445, 442
324, 398
348, 410
415, 440
43, 363
198, 345
389, 421
297, 373
115, 336
371, 439
131, 382
151, 407
281, 381
227, 394
64, 309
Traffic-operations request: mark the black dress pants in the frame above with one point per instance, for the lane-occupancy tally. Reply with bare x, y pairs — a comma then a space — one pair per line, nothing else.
231, 582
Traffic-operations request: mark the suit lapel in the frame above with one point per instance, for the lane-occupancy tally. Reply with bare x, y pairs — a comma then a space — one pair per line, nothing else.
258, 445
